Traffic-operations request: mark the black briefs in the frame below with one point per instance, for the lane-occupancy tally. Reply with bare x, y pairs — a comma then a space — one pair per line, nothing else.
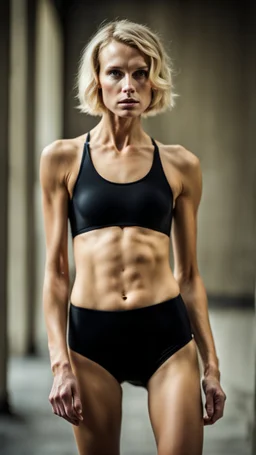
130, 344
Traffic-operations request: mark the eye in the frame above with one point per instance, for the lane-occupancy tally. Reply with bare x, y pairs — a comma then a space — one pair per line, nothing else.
115, 73
141, 73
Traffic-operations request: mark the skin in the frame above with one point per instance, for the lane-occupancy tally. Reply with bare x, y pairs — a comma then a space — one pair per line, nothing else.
83, 392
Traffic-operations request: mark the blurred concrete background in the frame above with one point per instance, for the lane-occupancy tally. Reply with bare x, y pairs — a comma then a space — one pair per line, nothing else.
213, 49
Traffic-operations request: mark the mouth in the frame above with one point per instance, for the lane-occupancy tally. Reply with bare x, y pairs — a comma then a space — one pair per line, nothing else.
128, 101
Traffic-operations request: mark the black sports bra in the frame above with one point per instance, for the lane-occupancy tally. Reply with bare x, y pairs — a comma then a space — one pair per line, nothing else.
97, 203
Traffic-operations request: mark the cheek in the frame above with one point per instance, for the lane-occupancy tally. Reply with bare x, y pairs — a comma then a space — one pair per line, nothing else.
108, 87
148, 86
144, 87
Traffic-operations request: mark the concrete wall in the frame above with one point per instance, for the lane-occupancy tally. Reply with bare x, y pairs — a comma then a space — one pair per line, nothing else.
212, 48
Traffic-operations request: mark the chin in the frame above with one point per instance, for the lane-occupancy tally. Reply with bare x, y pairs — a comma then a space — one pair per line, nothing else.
129, 113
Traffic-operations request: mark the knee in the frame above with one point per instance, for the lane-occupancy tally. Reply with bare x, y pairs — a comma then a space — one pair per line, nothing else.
166, 447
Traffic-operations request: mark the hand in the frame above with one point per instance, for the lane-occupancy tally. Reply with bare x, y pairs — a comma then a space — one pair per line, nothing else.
64, 397
215, 399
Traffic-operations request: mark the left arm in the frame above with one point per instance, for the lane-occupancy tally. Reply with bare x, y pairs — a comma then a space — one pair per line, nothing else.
184, 234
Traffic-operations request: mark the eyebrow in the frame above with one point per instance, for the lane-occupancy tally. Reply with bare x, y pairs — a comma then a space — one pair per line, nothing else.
120, 67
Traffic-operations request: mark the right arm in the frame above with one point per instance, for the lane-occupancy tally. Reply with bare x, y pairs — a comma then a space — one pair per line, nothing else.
56, 278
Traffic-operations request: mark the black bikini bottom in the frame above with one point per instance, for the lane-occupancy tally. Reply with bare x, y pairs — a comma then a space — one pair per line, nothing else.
130, 344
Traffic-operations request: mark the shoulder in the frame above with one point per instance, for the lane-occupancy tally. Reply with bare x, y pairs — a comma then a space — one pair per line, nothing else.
183, 158
58, 157
61, 150
185, 161
187, 165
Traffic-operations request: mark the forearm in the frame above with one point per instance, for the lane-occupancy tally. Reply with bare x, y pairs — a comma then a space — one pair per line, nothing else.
55, 305
194, 295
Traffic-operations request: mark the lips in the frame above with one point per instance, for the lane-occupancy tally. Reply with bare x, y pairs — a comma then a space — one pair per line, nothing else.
128, 101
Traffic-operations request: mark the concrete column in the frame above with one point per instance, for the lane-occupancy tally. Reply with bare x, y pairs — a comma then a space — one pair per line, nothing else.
48, 122
4, 108
17, 201
31, 178
251, 109
254, 417
254, 412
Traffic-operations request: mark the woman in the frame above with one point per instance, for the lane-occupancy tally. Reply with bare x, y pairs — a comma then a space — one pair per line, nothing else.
130, 318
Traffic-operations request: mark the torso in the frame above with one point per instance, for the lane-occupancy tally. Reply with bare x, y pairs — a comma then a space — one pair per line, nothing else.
122, 267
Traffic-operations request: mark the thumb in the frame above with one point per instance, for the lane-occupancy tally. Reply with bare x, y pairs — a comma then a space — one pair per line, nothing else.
76, 401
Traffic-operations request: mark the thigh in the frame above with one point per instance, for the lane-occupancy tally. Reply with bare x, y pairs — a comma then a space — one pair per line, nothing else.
101, 396
175, 404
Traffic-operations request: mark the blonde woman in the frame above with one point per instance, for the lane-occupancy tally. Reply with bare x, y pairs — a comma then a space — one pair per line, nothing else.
131, 318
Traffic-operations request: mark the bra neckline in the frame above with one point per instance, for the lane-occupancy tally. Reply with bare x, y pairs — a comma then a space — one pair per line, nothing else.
87, 144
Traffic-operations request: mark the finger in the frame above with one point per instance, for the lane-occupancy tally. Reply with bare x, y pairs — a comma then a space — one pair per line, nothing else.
68, 408
77, 404
218, 411
207, 421
62, 412
68, 419
57, 408
78, 411
74, 422
209, 405
54, 405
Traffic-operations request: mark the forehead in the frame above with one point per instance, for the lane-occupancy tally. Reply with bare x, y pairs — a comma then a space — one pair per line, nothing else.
120, 54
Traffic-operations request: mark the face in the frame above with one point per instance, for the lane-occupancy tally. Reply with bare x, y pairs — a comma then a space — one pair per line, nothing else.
123, 79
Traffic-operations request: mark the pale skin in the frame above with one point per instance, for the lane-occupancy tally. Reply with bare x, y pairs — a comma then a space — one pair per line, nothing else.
127, 267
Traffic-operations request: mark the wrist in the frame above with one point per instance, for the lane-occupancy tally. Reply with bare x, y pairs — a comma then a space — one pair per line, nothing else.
60, 367
212, 369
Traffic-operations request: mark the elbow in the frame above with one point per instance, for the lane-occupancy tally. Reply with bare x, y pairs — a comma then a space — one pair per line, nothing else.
184, 277
56, 278
57, 269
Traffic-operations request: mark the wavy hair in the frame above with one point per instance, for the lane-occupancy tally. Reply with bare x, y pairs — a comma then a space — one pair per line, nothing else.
135, 35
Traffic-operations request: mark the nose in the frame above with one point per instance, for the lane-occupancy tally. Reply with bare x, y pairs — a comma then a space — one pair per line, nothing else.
128, 86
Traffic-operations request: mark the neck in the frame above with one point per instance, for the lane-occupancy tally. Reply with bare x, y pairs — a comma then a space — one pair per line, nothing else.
120, 132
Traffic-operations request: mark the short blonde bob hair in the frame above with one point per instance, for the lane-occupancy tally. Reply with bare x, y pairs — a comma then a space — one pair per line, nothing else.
135, 35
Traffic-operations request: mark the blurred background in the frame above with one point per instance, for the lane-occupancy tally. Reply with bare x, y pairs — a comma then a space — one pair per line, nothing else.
212, 45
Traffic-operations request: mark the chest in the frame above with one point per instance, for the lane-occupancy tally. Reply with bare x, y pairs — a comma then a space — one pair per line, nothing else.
124, 168
128, 168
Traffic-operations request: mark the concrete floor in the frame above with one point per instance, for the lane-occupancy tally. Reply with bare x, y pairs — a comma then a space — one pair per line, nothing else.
34, 430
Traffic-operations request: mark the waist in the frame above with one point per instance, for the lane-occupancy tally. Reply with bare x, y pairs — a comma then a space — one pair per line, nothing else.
116, 299
139, 310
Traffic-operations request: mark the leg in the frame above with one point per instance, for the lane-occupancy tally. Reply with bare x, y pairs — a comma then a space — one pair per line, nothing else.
175, 404
101, 396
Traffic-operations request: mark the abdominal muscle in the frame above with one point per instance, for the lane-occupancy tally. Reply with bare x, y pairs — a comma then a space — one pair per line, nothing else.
120, 268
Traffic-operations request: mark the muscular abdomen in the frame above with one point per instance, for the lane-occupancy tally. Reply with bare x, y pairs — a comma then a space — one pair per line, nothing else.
121, 268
